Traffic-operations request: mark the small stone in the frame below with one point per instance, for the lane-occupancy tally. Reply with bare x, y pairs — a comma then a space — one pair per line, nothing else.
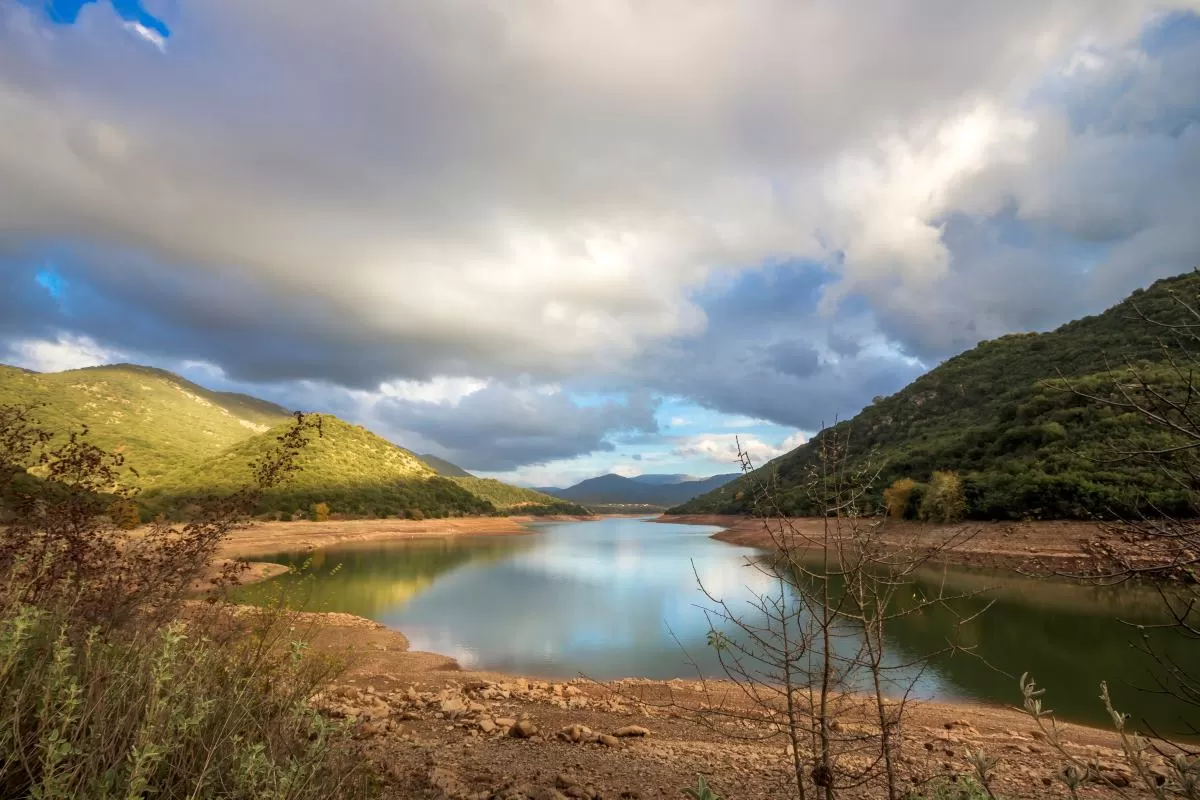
486, 725
453, 706
608, 741
523, 730
505, 722
631, 730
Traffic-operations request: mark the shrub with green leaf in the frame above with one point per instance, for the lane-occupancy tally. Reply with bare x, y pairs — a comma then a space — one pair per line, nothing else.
164, 712
113, 684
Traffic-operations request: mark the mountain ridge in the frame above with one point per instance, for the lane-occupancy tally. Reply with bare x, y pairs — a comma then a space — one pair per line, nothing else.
1001, 417
182, 441
613, 489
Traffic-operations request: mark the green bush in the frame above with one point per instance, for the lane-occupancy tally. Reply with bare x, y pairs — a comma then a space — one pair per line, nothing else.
112, 684
167, 713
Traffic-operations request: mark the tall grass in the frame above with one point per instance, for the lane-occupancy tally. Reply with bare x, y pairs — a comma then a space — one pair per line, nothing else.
112, 683
195, 709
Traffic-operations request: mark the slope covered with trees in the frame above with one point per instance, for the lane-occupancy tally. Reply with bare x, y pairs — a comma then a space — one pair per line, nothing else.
1008, 426
347, 468
181, 442
153, 418
445, 468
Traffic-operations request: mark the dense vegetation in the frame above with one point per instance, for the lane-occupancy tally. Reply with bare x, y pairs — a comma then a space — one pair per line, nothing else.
1011, 419
154, 419
515, 499
181, 443
351, 472
445, 468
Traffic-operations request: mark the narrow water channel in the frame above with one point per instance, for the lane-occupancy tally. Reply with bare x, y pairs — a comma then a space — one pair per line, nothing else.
619, 598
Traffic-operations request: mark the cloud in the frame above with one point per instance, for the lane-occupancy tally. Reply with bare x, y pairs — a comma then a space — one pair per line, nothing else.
365, 170
66, 352
457, 216
724, 447
501, 427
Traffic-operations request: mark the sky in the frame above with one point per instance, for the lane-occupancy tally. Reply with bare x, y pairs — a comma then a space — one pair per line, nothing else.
549, 239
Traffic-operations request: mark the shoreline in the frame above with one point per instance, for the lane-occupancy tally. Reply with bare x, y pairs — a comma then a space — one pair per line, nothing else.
1042, 546
266, 538
439, 725
385, 670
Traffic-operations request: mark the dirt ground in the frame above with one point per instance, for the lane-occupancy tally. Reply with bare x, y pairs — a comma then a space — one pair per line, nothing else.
439, 732
264, 538
436, 731
1035, 546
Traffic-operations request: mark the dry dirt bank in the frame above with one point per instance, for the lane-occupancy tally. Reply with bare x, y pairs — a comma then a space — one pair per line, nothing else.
1057, 545
440, 732
274, 537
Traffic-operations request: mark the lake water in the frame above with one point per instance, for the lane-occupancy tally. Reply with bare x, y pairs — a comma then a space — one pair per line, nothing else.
619, 598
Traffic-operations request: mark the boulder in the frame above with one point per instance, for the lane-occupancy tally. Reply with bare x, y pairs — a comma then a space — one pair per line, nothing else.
523, 730
453, 706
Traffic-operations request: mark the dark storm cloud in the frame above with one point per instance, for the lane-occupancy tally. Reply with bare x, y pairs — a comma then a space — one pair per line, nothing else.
774, 209
501, 427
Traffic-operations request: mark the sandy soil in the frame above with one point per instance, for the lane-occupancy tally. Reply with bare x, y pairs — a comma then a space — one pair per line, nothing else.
439, 732
1036, 546
276, 537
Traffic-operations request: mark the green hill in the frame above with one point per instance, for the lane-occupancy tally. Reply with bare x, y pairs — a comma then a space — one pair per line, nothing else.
347, 467
514, 499
444, 467
1001, 416
154, 418
185, 442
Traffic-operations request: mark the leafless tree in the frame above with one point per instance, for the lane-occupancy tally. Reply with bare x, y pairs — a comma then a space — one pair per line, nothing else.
1158, 541
808, 660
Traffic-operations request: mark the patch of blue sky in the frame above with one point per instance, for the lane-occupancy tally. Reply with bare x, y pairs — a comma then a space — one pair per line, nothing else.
66, 12
54, 284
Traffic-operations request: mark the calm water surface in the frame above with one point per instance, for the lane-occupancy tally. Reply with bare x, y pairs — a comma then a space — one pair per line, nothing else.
619, 597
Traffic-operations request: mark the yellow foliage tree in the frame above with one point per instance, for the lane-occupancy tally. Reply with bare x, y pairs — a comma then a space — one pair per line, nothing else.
897, 496
944, 501
320, 512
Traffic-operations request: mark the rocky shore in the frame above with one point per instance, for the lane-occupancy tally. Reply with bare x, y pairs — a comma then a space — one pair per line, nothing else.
438, 732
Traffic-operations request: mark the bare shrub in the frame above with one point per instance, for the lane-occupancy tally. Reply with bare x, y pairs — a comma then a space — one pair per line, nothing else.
59, 544
111, 684
807, 658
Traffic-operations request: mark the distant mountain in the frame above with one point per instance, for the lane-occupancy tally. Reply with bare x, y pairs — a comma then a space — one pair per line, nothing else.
662, 480
184, 441
444, 468
619, 490
1001, 416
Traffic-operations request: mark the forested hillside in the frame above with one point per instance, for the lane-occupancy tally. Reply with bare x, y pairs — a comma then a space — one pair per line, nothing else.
1008, 420
181, 442
154, 418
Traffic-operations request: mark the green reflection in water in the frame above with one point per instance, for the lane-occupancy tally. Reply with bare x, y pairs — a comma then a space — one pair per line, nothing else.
372, 578
607, 597
1068, 636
